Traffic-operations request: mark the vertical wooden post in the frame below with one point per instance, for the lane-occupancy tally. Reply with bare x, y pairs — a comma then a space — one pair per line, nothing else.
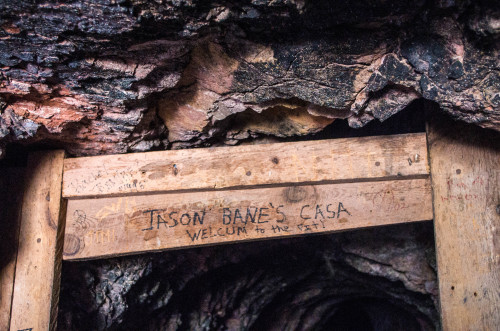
465, 170
38, 267
11, 193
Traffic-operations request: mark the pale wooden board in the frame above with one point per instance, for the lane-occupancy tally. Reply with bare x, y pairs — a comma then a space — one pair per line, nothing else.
225, 167
36, 287
11, 192
122, 225
465, 169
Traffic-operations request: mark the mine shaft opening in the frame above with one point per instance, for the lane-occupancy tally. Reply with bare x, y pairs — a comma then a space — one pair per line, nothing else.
369, 279
361, 279
272, 165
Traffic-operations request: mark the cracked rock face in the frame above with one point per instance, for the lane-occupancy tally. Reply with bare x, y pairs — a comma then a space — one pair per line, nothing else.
101, 76
377, 279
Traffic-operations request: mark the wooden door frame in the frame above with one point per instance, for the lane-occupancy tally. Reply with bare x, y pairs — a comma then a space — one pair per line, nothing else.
464, 167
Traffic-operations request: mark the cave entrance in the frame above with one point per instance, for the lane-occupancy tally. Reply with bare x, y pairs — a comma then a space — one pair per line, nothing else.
127, 204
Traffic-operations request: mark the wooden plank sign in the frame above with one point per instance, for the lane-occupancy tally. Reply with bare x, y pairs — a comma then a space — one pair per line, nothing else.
172, 199
124, 225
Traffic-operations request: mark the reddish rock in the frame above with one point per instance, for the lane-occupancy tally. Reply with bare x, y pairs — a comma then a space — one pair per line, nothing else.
91, 75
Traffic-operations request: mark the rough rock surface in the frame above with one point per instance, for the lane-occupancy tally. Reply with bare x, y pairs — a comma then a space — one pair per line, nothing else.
116, 76
93, 76
377, 279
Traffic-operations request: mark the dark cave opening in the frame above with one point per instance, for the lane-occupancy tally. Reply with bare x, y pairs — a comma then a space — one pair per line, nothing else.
355, 280
370, 314
349, 316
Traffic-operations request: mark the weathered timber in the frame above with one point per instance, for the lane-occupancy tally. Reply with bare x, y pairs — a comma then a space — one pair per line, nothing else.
37, 277
224, 167
465, 167
11, 192
132, 224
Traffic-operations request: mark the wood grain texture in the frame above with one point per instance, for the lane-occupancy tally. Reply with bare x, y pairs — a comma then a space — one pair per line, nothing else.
226, 167
11, 192
38, 264
465, 165
132, 224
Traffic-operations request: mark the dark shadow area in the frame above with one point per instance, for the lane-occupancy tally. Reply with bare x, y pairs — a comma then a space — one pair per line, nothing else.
461, 131
370, 314
409, 120
17, 153
11, 197
16, 156
349, 316
307, 283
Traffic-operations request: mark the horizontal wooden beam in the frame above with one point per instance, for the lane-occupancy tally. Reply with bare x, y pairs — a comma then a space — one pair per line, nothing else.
131, 224
249, 165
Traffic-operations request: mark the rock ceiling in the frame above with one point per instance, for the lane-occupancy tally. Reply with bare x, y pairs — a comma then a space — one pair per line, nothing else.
112, 76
